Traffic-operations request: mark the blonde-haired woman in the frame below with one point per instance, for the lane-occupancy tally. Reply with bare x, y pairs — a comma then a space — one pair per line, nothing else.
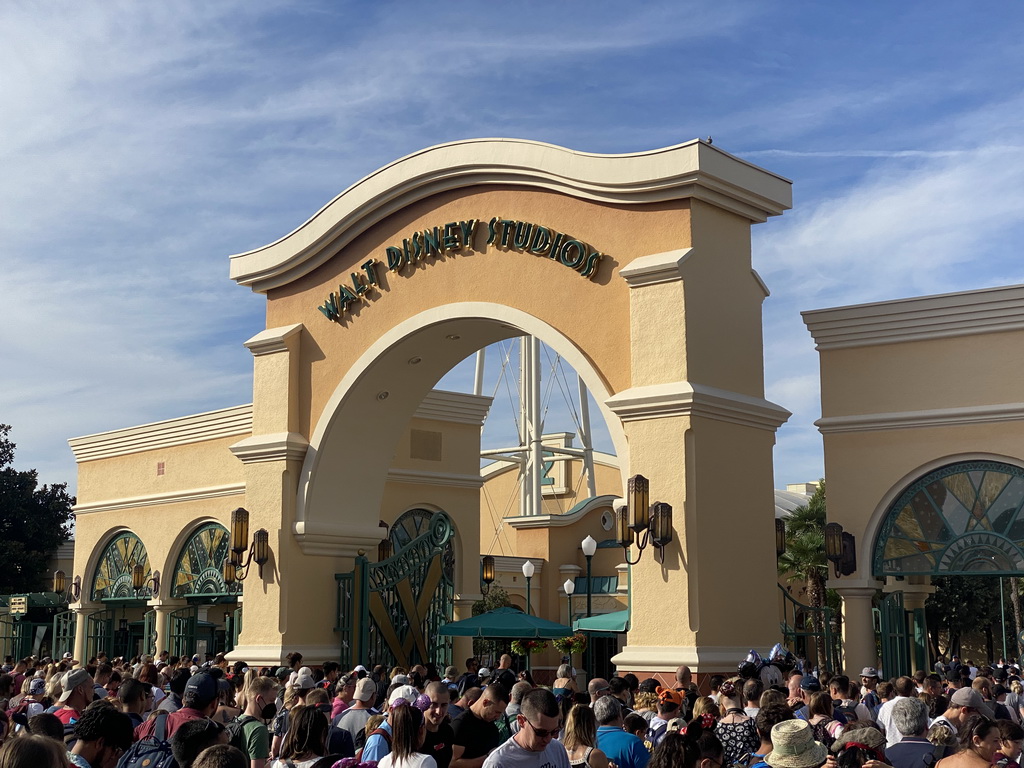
580, 738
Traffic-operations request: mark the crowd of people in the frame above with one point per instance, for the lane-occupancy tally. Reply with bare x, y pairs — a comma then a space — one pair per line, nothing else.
173, 712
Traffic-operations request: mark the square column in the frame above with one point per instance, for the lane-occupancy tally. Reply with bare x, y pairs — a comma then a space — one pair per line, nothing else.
700, 430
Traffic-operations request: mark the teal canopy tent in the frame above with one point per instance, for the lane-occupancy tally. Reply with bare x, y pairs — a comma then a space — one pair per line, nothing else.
505, 622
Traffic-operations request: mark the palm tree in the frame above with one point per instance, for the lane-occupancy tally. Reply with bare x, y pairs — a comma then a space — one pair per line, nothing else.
804, 559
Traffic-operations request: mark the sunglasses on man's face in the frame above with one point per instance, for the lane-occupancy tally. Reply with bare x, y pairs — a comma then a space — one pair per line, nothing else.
542, 733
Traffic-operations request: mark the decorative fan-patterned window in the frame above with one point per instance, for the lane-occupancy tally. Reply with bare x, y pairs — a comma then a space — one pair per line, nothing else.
113, 579
415, 523
960, 519
200, 568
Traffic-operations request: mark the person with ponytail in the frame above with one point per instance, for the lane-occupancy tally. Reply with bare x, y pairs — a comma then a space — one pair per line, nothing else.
408, 730
693, 747
735, 728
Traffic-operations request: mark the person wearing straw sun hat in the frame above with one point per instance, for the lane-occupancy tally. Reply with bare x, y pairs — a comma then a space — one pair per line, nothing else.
793, 746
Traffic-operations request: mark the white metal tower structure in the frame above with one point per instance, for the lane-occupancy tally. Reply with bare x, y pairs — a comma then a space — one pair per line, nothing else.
530, 453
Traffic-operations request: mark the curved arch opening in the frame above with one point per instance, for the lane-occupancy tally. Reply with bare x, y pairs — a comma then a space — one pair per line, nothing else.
376, 399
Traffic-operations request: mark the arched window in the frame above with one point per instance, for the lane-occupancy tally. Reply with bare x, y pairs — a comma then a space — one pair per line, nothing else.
200, 567
960, 519
113, 579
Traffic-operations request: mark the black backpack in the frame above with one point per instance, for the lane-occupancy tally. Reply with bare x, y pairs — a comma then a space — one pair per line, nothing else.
236, 731
152, 752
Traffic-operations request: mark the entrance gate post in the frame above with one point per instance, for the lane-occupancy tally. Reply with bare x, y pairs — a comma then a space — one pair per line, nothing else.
859, 639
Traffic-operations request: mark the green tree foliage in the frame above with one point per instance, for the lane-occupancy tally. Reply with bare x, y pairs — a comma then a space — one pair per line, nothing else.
961, 604
804, 560
34, 521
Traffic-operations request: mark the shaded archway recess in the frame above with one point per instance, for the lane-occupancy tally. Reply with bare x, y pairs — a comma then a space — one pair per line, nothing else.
693, 170
113, 577
383, 390
199, 570
962, 518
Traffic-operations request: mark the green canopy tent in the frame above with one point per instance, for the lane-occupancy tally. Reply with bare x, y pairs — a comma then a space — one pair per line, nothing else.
505, 623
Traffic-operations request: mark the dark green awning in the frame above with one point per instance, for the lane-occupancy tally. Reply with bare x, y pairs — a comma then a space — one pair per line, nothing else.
617, 621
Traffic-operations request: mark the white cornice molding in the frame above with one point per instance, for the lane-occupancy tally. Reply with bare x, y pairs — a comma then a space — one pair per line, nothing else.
964, 313
655, 269
694, 169
337, 539
280, 446
274, 340
420, 477
560, 521
156, 499
455, 407
226, 422
936, 417
683, 398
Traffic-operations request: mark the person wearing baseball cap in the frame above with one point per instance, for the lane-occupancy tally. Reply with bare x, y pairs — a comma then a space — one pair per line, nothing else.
77, 695
354, 718
199, 700
669, 705
962, 704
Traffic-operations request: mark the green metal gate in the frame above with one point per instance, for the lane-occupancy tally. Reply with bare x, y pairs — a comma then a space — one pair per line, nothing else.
805, 628
895, 636
232, 629
183, 625
15, 637
389, 612
149, 633
99, 633
64, 628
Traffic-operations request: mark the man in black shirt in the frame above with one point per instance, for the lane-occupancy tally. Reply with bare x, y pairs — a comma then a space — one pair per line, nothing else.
439, 737
475, 732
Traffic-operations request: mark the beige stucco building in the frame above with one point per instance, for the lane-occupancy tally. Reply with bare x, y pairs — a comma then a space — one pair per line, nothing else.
922, 422
635, 269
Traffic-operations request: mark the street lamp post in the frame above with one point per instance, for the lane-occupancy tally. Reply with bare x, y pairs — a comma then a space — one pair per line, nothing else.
569, 587
589, 547
528, 573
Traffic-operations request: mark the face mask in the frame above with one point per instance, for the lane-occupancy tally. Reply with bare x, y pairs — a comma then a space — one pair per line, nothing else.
268, 711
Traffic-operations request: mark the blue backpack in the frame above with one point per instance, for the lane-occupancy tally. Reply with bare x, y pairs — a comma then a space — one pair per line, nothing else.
152, 752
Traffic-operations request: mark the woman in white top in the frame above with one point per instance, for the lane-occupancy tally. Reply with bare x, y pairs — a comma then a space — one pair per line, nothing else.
407, 733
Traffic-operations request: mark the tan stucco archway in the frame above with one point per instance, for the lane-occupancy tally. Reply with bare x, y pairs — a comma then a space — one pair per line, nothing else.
666, 329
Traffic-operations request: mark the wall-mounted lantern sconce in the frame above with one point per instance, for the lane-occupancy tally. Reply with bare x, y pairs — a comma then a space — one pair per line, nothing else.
841, 549
634, 516
385, 549
258, 551
487, 572
140, 582
780, 537
72, 591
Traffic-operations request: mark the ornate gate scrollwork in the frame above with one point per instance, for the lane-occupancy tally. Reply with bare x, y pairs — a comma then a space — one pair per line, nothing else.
395, 606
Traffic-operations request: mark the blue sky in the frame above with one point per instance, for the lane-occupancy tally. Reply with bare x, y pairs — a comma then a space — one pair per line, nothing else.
142, 143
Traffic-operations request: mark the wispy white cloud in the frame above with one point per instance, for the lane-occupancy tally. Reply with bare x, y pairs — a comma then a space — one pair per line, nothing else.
142, 143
